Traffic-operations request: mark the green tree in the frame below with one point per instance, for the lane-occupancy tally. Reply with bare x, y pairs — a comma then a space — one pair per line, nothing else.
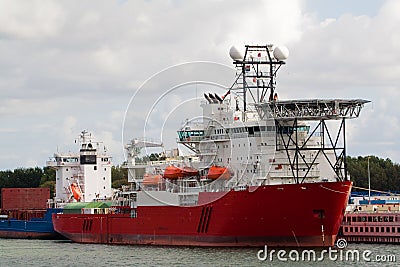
119, 176
385, 175
48, 179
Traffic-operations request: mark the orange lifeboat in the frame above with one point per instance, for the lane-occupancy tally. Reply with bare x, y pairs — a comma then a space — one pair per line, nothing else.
216, 172
151, 179
188, 171
172, 172
76, 192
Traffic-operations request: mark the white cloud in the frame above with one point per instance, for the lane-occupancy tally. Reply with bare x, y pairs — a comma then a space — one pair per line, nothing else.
66, 66
30, 19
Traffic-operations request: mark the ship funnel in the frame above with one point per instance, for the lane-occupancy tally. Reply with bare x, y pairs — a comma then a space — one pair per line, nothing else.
281, 53
235, 53
208, 98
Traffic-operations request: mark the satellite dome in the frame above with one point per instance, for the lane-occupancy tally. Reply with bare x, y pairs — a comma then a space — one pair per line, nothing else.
281, 53
235, 53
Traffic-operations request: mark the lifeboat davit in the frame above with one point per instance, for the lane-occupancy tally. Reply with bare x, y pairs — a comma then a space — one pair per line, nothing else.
76, 192
216, 172
173, 172
151, 179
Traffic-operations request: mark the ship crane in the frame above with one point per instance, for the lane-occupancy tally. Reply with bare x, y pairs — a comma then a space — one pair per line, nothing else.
135, 146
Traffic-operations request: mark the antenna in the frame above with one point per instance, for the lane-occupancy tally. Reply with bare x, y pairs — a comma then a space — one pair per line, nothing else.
256, 71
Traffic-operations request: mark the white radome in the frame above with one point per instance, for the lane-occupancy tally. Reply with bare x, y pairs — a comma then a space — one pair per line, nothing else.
235, 53
281, 52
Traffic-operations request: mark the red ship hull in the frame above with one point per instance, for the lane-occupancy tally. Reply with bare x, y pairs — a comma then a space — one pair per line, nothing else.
304, 215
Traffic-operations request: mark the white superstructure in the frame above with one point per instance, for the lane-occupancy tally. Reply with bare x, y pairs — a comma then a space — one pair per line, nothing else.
87, 172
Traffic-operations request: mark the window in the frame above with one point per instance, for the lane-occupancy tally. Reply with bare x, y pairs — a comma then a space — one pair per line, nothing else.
356, 228
377, 229
361, 229
105, 169
95, 168
371, 229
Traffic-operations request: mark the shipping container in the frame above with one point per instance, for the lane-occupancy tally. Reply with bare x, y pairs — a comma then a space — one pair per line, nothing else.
24, 198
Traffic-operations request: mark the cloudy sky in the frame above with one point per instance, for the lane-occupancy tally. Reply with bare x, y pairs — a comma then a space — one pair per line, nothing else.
68, 66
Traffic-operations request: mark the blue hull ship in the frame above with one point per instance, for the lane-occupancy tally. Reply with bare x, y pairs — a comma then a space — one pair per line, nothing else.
32, 228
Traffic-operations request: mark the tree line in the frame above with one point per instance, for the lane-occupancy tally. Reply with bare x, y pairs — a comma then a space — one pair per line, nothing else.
385, 175
46, 177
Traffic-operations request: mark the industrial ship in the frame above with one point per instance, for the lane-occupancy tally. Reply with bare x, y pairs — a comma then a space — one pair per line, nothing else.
264, 171
81, 178
24, 214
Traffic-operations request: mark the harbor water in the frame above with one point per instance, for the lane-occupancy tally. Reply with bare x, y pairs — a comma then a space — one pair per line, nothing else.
58, 253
